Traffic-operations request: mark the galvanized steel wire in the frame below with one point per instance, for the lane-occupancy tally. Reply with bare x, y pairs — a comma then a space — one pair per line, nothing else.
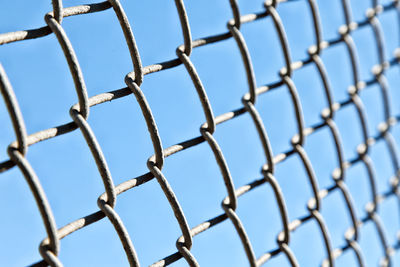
50, 246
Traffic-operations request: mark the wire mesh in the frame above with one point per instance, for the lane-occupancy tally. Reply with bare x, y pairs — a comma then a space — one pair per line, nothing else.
50, 246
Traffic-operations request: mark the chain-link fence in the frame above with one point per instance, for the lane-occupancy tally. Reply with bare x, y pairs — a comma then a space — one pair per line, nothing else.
79, 112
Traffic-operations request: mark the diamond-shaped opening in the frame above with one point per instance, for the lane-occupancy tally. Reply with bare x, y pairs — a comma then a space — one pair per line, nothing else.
260, 215
152, 225
299, 27
121, 131
295, 186
358, 183
277, 111
370, 244
44, 99
310, 87
389, 214
70, 173
265, 50
373, 100
367, 51
242, 148
331, 21
312, 252
358, 9
222, 73
350, 130
321, 151
158, 40
101, 50
196, 179
391, 33
175, 105
337, 63
393, 78
382, 163
337, 217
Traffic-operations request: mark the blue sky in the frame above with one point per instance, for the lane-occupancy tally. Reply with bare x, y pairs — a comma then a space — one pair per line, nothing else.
45, 91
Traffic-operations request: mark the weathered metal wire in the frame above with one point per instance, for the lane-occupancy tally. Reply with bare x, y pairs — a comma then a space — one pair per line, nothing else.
50, 246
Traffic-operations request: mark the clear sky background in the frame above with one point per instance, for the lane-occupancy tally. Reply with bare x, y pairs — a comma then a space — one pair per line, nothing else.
45, 91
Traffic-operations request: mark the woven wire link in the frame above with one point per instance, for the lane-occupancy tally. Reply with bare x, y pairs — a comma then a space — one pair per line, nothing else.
17, 151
